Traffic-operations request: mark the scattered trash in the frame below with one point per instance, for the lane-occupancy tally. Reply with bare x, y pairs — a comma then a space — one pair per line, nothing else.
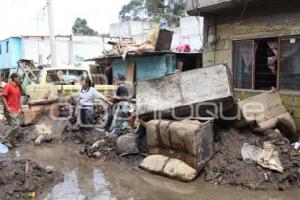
269, 158
297, 146
3, 149
250, 153
22, 177
169, 167
18, 153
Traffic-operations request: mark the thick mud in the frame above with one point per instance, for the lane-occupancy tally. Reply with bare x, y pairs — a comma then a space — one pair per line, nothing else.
227, 166
24, 179
93, 179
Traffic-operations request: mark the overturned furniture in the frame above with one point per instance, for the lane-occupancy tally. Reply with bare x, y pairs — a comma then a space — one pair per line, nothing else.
190, 141
266, 111
187, 94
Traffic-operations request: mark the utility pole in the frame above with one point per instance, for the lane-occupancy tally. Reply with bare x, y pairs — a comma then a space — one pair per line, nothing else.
51, 34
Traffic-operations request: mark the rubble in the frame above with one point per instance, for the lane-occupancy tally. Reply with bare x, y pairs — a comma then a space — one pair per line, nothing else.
20, 178
227, 167
266, 111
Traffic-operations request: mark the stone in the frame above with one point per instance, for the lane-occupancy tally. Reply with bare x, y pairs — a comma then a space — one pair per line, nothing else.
126, 144
111, 138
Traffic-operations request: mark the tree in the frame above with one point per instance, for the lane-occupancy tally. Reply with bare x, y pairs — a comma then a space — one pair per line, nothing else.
152, 10
80, 27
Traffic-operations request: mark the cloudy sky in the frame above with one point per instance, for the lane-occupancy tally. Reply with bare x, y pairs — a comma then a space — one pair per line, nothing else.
26, 17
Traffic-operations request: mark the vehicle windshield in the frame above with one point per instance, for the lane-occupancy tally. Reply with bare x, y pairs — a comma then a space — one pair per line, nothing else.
65, 76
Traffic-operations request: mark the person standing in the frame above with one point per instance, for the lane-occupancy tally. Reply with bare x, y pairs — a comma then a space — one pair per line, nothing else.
11, 98
86, 98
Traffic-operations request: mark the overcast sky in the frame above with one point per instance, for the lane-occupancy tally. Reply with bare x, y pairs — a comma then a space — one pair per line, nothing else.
25, 17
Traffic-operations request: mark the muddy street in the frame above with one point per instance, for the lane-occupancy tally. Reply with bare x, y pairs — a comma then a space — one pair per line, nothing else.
86, 178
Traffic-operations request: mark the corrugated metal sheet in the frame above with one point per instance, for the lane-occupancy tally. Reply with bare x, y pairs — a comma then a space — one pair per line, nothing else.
147, 67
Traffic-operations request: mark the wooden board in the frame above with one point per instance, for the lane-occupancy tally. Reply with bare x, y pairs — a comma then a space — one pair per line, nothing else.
130, 72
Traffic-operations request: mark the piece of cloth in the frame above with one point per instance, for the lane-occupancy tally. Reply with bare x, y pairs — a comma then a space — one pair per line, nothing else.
13, 119
12, 94
269, 158
87, 97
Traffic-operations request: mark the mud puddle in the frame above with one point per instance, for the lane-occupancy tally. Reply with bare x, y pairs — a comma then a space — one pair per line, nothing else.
93, 179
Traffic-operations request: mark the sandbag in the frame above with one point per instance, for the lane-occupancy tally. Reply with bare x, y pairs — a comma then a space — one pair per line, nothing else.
169, 167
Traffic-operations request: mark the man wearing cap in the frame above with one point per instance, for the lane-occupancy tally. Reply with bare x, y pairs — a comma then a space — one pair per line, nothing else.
11, 98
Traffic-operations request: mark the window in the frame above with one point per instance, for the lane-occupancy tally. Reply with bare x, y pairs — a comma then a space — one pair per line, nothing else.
65, 76
243, 64
265, 63
0, 49
7, 46
290, 64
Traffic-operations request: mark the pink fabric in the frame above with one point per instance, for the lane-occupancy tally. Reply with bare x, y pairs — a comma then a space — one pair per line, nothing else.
272, 59
183, 48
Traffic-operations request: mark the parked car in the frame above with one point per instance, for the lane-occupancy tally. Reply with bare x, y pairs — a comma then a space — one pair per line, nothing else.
65, 79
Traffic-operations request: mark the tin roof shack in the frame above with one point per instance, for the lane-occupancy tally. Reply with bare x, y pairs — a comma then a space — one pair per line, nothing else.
146, 66
259, 40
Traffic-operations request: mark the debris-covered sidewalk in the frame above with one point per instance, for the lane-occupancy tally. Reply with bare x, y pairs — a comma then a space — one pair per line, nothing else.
24, 179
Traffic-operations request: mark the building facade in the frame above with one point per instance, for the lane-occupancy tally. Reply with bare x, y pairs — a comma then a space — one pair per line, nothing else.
10, 52
70, 49
189, 31
259, 40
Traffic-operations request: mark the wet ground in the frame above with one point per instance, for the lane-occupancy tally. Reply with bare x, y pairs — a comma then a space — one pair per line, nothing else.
88, 179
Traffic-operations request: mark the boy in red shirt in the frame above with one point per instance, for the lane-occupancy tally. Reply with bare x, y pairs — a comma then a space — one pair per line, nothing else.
11, 98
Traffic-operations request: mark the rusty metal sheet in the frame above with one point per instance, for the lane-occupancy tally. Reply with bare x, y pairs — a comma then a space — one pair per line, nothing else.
210, 84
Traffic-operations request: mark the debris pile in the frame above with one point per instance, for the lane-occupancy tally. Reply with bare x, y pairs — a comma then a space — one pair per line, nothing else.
99, 145
227, 166
24, 179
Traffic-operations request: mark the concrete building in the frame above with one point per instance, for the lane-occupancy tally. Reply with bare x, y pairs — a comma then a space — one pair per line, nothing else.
70, 49
189, 32
9, 53
259, 40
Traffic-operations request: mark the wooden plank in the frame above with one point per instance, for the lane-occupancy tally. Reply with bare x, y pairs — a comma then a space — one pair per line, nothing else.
130, 72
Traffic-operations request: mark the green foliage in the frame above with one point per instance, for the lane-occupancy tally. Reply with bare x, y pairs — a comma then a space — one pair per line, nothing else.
152, 10
80, 27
